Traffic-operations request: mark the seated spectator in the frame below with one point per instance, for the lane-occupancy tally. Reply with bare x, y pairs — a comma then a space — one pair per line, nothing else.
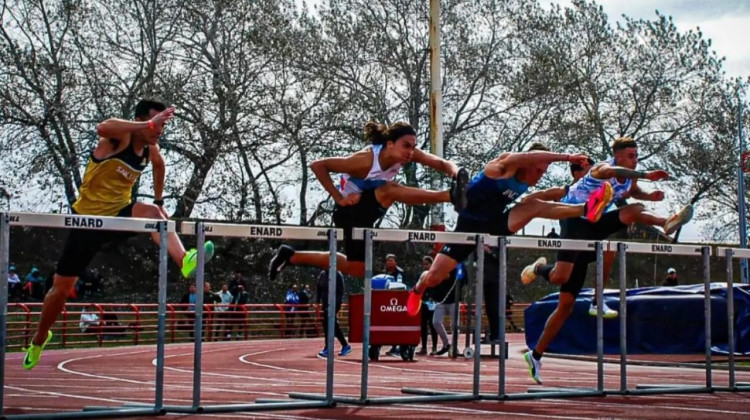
14, 283
112, 327
553, 234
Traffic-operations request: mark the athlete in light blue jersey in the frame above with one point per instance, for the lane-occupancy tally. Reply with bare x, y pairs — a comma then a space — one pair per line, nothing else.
569, 271
490, 193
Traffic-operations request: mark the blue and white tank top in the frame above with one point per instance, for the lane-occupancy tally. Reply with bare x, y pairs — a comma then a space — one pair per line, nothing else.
375, 178
488, 197
580, 191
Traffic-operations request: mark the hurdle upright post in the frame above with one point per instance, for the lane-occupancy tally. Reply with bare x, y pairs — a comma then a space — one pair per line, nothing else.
729, 255
200, 281
502, 246
706, 253
4, 260
366, 316
330, 321
599, 316
621, 249
161, 316
479, 279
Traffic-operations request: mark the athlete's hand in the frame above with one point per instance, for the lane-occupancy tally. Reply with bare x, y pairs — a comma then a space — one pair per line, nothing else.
657, 175
578, 158
161, 118
656, 196
349, 200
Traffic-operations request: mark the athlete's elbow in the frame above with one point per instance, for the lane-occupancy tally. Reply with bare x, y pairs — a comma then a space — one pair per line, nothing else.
102, 129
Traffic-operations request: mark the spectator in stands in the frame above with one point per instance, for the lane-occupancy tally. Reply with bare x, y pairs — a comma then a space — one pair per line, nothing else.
236, 281
222, 314
671, 279
210, 299
303, 310
189, 300
427, 311
445, 297
14, 283
392, 269
291, 301
37, 289
552, 233
89, 283
509, 313
322, 288
238, 314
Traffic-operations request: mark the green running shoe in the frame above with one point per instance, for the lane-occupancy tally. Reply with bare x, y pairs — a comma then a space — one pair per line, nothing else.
34, 353
190, 261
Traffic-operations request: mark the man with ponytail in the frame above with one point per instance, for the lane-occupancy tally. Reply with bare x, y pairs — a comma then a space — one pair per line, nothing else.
367, 190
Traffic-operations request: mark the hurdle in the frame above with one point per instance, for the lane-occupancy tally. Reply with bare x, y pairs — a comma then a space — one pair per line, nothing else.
622, 249
504, 243
422, 396
203, 229
71, 221
730, 254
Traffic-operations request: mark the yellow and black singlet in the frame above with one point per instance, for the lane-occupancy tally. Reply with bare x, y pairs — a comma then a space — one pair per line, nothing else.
108, 183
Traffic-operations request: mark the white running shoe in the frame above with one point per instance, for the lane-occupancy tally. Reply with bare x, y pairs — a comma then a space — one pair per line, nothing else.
607, 312
534, 366
678, 219
528, 275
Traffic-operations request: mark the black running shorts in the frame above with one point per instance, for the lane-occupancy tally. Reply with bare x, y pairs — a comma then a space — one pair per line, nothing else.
582, 229
364, 214
497, 226
82, 246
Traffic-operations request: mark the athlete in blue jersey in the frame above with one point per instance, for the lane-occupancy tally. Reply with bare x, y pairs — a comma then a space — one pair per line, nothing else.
367, 191
501, 182
569, 271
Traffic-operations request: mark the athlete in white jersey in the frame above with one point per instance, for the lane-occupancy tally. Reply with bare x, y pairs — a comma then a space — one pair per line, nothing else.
367, 191
569, 271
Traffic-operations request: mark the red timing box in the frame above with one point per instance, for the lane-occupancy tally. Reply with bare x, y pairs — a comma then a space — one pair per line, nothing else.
389, 323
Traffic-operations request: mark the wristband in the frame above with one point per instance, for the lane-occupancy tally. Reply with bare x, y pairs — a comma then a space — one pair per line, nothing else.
151, 125
159, 202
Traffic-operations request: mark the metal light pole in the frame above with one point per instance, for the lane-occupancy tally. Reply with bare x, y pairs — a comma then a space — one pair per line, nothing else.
436, 108
741, 192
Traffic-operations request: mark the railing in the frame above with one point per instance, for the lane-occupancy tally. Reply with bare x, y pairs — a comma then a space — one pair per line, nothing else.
109, 324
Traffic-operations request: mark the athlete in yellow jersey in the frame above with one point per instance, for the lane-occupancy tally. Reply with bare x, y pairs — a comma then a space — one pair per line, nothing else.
124, 150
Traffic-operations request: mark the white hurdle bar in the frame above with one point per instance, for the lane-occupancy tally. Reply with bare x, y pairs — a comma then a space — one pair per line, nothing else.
280, 232
549, 244
730, 254
72, 221
669, 249
392, 235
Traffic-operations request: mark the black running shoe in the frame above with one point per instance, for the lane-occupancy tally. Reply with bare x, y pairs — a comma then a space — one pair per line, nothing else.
458, 189
283, 254
443, 350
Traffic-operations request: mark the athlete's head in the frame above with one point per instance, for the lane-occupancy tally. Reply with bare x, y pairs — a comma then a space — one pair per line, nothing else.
625, 151
399, 140
144, 111
531, 174
579, 170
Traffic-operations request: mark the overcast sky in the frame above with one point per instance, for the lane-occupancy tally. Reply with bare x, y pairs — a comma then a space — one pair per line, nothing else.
725, 22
